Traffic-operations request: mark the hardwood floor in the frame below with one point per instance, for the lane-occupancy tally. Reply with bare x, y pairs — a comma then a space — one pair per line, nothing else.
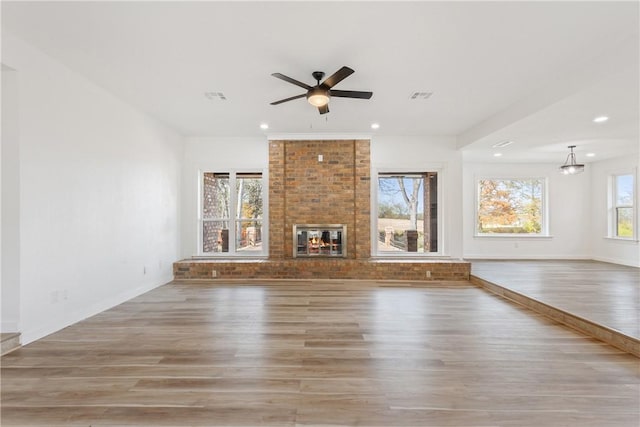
319, 353
607, 294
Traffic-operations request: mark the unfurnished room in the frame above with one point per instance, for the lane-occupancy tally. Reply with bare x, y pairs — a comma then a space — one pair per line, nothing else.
320, 213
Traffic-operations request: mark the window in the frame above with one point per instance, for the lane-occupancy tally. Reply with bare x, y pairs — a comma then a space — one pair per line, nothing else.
231, 221
511, 206
407, 213
623, 206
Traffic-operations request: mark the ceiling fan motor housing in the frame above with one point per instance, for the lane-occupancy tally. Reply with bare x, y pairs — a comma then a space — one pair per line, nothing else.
318, 75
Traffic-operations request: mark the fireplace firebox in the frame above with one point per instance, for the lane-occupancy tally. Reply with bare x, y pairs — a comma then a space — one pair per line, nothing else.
320, 240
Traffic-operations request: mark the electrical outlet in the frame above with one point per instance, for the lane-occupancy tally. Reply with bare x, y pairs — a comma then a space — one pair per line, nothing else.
144, 269
428, 274
214, 273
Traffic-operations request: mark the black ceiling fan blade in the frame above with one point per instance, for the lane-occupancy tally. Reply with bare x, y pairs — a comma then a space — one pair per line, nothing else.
324, 109
289, 99
292, 81
337, 77
351, 94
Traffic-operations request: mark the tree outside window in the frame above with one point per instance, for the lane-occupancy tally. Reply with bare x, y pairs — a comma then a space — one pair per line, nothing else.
407, 220
231, 221
249, 212
510, 206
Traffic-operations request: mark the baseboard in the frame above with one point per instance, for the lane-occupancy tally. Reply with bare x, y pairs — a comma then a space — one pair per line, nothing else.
618, 261
56, 324
471, 257
551, 257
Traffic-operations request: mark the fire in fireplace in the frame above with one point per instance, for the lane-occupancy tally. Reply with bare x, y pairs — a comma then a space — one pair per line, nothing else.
319, 240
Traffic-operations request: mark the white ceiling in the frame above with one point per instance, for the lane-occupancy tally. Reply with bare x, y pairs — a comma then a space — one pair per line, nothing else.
533, 72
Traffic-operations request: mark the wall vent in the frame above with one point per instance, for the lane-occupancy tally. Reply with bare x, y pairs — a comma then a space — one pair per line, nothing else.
502, 144
213, 96
420, 95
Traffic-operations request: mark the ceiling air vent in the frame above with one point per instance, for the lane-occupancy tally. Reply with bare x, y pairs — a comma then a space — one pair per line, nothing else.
213, 96
502, 144
420, 95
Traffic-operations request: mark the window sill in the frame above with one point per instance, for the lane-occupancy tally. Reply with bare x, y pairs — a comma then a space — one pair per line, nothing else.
409, 256
622, 240
230, 257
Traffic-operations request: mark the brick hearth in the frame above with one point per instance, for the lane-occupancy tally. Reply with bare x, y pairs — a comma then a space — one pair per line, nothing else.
322, 269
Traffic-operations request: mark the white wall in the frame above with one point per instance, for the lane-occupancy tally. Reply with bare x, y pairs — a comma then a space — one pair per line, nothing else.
10, 230
418, 154
604, 248
569, 202
99, 195
214, 154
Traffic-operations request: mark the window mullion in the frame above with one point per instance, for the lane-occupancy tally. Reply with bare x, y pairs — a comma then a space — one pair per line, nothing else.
232, 212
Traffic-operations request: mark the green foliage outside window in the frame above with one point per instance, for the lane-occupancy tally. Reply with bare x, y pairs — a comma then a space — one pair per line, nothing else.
510, 206
623, 199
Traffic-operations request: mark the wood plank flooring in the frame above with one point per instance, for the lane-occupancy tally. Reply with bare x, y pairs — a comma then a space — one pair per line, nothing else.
607, 294
313, 353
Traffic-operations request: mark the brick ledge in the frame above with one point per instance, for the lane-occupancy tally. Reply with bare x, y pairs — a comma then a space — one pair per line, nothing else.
323, 268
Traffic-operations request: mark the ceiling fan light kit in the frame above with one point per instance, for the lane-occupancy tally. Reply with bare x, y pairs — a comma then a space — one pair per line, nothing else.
318, 97
571, 167
320, 94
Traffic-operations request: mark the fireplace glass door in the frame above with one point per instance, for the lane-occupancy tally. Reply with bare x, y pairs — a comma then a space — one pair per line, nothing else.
313, 240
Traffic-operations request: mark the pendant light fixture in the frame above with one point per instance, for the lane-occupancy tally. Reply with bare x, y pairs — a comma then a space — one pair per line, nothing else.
570, 166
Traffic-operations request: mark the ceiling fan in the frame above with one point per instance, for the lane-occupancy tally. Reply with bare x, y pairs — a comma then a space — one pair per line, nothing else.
320, 94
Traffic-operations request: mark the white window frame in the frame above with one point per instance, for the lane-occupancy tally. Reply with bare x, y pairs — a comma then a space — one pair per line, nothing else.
440, 212
544, 232
233, 252
612, 189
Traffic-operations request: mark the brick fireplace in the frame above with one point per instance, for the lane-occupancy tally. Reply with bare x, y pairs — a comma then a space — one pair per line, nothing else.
321, 182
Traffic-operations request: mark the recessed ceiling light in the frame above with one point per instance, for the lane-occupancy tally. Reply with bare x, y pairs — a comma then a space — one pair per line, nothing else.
375, 125
264, 126
502, 144
497, 154
601, 119
590, 154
